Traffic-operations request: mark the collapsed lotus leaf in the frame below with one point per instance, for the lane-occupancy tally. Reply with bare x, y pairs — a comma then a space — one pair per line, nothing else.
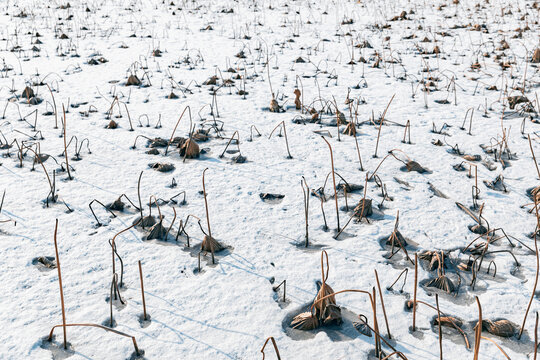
27, 93
158, 142
210, 244
133, 80
239, 159
190, 149
148, 221
447, 321
305, 321
362, 327
443, 283
41, 158
112, 125
117, 205
332, 315
536, 56
478, 229
366, 205
518, 99
274, 106
502, 328
172, 95
320, 306
350, 129
157, 231
47, 261
162, 167
412, 165
397, 239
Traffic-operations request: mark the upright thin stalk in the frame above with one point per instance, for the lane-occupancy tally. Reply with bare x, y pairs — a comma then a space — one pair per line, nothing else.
60, 283
537, 267
381, 124
536, 336
142, 290
65, 146
334, 180
382, 304
478, 332
439, 320
139, 195
206, 206
415, 287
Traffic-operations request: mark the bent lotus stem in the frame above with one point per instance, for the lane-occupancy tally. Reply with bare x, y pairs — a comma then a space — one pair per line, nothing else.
334, 181
478, 331
101, 327
382, 304
60, 284
206, 207
229, 143
537, 268
142, 290
65, 146
275, 347
174, 130
286, 140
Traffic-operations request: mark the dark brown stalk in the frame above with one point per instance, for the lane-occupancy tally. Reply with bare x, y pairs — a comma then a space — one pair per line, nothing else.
382, 304
286, 141
65, 146
142, 290
381, 124
305, 191
536, 336
478, 331
537, 267
101, 327
439, 320
275, 347
60, 283
415, 287
334, 180
174, 130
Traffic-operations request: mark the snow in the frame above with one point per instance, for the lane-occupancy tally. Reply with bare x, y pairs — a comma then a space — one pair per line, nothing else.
229, 309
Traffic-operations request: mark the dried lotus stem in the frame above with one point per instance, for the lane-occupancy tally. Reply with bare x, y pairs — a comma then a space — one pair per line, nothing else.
334, 181
537, 267
381, 124
415, 288
478, 331
382, 304
60, 283
174, 130
229, 143
286, 140
439, 321
142, 290
275, 347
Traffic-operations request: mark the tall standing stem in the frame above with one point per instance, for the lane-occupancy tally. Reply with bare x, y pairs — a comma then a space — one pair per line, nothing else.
65, 146
334, 180
60, 282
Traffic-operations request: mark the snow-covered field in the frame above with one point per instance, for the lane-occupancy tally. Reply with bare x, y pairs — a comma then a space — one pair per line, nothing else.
455, 83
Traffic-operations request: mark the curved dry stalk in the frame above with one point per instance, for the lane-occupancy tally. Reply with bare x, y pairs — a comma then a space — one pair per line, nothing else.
334, 180
381, 124
382, 304
65, 146
229, 143
206, 206
142, 290
275, 347
174, 130
101, 327
60, 283
286, 140
537, 269
478, 332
